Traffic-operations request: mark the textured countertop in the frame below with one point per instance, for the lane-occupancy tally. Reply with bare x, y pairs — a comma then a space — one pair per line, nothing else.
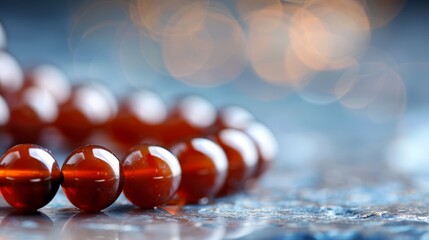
359, 203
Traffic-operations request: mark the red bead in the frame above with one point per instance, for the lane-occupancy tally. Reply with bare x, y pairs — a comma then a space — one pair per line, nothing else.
31, 110
233, 117
51, 79
152, 176
140, 117
204, 168
242, 157
29, 176
266, 144
191, 116
93, 178
89, 107
11, 76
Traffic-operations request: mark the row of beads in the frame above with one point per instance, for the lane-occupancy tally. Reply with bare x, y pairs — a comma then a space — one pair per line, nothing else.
46, 101
92, 177
43, 99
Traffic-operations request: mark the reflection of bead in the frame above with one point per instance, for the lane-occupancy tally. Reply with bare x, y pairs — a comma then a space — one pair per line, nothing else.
93, 178
190, 117
29, 177
204, 167
88, 108
242, 157
152, 176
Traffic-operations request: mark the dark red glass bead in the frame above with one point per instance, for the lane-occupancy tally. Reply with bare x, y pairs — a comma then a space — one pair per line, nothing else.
51, 79
266, 144
11, 75
30, 177
88, 108
233, 116
140, 117
93, 178
242, 157
191, 116
152, 176
31, 110
204, 168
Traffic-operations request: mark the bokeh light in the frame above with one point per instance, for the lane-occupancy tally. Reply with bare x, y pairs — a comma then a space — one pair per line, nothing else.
319, 49
213, 54
381, 12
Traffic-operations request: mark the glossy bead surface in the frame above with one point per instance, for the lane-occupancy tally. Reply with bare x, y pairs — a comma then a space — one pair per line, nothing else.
93, 178
51, 79
140, 116
11, 75
88, 108
266, 144
31, 110
204, 168
152, 176
30, 177
191, 116
242, 157
233, 116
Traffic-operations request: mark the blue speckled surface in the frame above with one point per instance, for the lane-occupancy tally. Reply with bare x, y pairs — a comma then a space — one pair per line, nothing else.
287, 205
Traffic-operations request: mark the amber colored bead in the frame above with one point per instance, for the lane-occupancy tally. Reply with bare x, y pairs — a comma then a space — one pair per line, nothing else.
266, 144
191, 116
31, 110
204, 168
11, 75
242, 157
152, 176
93, 178
51, 79
233, 116
89, 107
29, 176
140, 117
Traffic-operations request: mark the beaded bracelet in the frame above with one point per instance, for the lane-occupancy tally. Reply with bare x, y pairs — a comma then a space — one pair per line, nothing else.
210, 153
92, 177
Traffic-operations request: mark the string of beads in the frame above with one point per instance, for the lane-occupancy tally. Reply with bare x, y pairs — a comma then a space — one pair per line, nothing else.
191, 152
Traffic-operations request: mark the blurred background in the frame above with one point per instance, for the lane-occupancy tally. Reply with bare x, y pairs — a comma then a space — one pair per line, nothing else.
340, 82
